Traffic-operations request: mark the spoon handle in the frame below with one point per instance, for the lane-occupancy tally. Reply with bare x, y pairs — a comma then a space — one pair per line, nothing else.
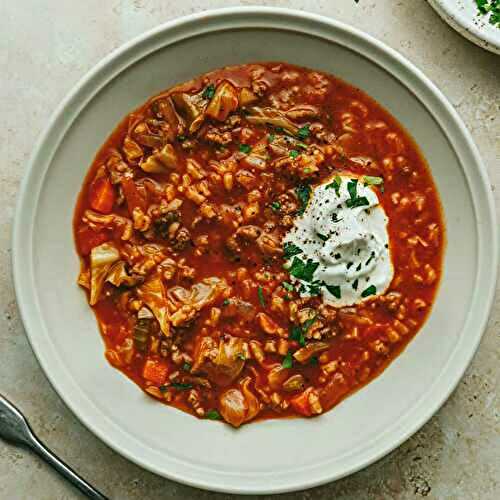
88, 490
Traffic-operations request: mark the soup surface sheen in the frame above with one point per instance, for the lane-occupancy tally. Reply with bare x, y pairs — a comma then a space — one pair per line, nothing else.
258, 242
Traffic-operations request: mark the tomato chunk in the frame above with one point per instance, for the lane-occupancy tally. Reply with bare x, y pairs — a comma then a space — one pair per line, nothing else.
132, 195
155, 371
301, 404
87, 239
102, 195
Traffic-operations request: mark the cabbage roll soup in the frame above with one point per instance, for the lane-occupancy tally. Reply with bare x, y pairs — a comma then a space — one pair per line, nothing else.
258, 242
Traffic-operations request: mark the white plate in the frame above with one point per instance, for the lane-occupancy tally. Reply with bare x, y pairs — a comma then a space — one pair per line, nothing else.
463, 16
273, 456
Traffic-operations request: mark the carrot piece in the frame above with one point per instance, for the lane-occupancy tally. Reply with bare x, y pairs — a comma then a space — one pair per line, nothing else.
102, 195
300, 403
155, 371
132, 195
87, 239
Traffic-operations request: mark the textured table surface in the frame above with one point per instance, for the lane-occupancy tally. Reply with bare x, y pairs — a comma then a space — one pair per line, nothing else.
46, 46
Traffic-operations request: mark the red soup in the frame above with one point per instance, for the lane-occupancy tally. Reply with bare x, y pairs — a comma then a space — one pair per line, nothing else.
258, 242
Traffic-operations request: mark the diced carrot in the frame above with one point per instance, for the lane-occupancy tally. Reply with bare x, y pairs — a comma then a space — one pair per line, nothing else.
87, 239
132, 195
102, 195
155, 371
300, 403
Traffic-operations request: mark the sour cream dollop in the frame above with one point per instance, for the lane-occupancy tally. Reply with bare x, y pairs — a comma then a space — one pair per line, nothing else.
339, 247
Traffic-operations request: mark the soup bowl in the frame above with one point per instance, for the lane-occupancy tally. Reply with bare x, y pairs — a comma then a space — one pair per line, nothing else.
274, 455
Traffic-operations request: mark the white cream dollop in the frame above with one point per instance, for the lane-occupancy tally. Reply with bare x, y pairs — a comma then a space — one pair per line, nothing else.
348, 239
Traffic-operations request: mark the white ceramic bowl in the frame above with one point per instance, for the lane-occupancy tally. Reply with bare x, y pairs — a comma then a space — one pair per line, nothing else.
271, 456
462, 15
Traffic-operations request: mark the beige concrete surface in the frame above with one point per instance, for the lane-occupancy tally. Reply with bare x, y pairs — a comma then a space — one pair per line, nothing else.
46, 46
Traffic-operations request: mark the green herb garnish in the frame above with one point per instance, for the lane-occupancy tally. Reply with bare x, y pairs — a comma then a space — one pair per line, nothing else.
294, 153
370, 180
308, 323
287, 286
290, 249
323, 236
490, 8
245, 148
186, 367
275, 205
180, 386
303, 270
371, 290
355, 200
315, 289
337, 182
303, 132
355, 284
225, 302
212, 415
304, 193
297, 334
260, 293
362, 201
271, 137
209, 91
334, 290
287, 361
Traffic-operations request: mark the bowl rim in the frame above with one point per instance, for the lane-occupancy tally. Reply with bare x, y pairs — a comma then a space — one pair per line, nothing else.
254, 17
466, 27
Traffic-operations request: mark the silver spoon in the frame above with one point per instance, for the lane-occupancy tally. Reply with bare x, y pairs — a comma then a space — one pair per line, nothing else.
15, 429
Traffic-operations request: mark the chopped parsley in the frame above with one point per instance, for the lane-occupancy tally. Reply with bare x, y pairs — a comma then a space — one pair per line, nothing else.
315, 288
209, 91
290, 249
186, 367
271, 137
180, 386
304, 193
287, 286
294, 153
212, 415
297, 334
303, 132
370, 180
308, 323
245, 148
490, 8
334, 290
287, 361
303, 270
355, 284
323, 237
181, 138
260, 293
302, 145
355, 200
337, 182
371, 290
275, 205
